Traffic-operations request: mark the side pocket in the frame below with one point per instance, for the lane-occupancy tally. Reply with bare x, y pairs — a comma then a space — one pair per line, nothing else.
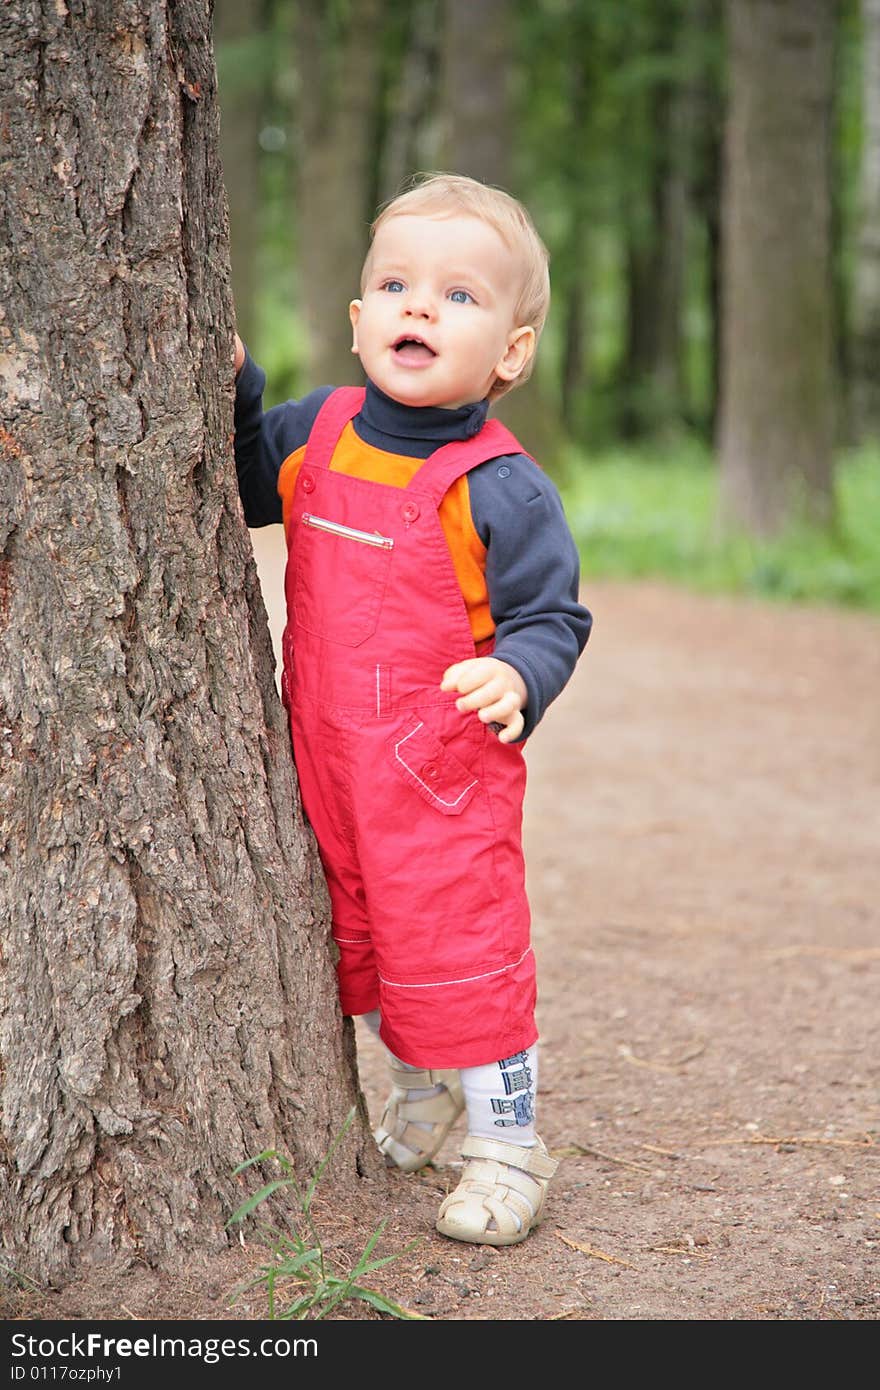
425, 764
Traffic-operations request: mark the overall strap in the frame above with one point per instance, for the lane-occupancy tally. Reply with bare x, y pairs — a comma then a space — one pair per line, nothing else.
340, 407
446, 464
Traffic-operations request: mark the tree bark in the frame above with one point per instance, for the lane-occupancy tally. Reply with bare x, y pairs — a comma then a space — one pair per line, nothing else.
866, 297
167, 1001
776, 428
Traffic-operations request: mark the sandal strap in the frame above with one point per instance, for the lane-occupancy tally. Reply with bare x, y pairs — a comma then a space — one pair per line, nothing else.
536, 1161
432, 1110
401, 1135
421, 1080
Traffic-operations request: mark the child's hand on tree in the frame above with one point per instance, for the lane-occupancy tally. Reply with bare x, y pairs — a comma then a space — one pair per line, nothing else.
238, 355
495, 690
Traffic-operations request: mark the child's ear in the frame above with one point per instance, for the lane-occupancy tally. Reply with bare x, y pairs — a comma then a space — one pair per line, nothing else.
520, 346
354, 313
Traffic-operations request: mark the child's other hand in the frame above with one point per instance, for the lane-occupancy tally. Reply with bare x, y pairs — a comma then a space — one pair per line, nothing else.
495, 690
238, 355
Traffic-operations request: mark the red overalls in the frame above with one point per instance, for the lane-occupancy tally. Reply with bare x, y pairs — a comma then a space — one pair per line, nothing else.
416, 807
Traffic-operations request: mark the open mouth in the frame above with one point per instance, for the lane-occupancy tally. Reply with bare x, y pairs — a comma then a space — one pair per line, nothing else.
413, 351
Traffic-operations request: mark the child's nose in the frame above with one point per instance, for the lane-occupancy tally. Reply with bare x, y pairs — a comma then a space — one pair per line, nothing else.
420, 306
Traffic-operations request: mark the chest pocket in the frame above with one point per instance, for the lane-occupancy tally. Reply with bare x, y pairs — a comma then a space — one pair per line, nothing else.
341, 575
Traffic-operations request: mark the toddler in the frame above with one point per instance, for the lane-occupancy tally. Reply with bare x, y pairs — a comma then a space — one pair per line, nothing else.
432, 616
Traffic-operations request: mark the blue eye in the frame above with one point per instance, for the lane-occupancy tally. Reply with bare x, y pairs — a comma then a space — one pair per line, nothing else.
461, 297
394, 286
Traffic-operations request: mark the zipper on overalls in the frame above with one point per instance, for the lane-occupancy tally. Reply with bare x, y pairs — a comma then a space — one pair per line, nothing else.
335, 528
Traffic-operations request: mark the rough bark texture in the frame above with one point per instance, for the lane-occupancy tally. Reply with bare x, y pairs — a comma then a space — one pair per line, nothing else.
776, 426
866, 298
338, 82
167, 1003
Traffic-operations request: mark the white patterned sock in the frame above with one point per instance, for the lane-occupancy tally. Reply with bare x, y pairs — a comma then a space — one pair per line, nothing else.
500, 1098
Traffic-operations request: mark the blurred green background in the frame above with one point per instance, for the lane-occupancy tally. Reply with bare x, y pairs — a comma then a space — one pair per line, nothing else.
707, 179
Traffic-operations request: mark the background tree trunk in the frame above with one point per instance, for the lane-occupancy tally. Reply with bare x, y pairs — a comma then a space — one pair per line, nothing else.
479, 136
244, 37
239, 27
408, 142
338, 66
866, 297
705, 45
478, 47
575, 160
776, 430
657, 234
167, 1002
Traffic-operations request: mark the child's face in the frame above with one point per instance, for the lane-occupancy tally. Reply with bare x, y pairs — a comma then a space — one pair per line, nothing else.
435, 325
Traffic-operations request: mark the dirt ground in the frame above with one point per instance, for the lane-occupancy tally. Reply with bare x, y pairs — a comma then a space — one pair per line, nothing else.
702, 833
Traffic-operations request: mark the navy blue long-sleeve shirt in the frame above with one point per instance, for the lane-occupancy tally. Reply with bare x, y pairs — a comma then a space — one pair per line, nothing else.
532, 563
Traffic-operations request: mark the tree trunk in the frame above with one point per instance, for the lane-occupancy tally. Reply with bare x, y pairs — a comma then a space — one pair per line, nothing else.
866, 296
705, 188
575, 159
411, 134
654, 307
776, 432
337, 66
657, 240
479, 136
167, 1001
238, 27
477, 43
574, 366
240, 33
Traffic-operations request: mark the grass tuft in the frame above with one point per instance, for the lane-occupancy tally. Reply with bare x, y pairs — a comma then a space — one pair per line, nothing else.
299, 1282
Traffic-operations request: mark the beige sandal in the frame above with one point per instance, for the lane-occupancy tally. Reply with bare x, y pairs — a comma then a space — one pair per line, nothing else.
501, 1195
398, 1134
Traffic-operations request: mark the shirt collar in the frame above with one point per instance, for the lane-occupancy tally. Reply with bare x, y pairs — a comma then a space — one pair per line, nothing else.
415, 430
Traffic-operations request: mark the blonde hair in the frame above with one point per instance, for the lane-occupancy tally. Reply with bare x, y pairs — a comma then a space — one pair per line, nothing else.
440, 195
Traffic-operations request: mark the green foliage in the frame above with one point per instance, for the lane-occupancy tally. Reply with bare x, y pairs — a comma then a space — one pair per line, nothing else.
245, 64
595, 148
298, 1262
637, 514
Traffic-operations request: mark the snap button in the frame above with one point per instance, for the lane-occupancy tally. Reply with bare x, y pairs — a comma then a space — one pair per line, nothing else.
504, 471
410, 511
308, 483
430, 772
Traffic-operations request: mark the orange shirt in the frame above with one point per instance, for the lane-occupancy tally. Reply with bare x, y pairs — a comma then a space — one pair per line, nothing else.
352, 455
